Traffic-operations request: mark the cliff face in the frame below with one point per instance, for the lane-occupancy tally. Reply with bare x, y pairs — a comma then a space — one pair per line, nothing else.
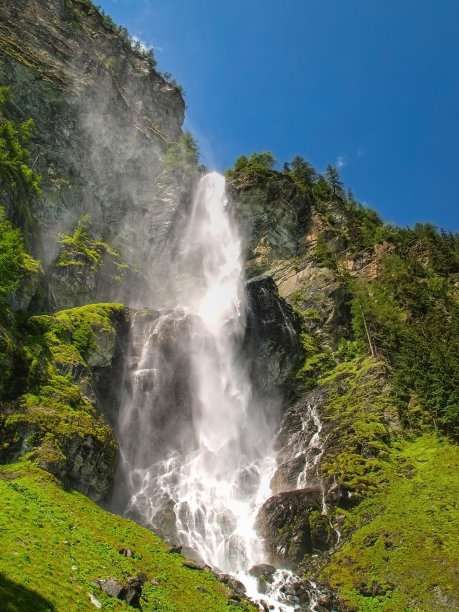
104, 122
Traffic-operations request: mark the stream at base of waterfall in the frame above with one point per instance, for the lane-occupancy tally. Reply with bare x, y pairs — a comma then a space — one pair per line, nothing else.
196, 442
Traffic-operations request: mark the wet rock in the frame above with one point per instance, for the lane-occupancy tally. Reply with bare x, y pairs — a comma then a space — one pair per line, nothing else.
263, 569
299, 442
322, 597
272, 340
190, 553
288, 523
235, 585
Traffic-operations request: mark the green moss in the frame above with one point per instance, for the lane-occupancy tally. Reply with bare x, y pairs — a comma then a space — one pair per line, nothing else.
360, 405
54, 411
56, 543
83, 251
402, 546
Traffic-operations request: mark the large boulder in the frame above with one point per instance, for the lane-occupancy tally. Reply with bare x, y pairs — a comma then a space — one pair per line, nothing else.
293, 525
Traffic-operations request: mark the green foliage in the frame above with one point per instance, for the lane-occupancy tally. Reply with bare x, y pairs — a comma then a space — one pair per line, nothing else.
16, 177
255, 167
11, 258
333, 178
360, 405
364, 227
183, 155
400, 545
19, 183
409, 315
81, 249
50, 408
324, 256
301, 170
15, 263
319, 358
62, 543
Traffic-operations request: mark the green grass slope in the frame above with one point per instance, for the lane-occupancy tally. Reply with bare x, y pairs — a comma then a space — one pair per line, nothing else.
404, 553
55, 543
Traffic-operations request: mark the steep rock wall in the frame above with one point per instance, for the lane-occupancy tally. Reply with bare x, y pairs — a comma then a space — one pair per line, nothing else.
104, 121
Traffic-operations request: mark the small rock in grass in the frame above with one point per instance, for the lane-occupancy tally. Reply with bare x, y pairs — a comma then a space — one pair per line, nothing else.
197, 566
175, 549
112, 587
95, 602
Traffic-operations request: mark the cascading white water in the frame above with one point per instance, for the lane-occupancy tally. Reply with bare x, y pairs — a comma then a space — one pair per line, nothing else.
211, 472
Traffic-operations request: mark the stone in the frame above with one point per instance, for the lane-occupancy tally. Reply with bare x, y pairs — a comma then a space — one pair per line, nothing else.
105, 127
197, 566
112, 587
235, 585
263, 569
130, 592
95, 602
175, 549
283, 521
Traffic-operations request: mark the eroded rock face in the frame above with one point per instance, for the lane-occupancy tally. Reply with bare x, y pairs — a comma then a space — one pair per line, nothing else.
104, 121
272, 336
293, 525
274, 216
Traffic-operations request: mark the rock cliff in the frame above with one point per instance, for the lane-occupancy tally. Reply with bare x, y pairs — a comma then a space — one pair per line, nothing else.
104, 121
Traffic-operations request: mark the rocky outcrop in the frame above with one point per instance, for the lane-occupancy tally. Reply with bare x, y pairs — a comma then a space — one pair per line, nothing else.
272, 336
60, 424
104, 122
274, 214
293, 525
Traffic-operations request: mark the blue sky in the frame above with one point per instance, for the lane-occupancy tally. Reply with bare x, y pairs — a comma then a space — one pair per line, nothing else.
372, 87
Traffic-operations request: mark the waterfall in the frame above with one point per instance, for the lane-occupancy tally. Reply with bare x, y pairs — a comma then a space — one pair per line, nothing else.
196, 445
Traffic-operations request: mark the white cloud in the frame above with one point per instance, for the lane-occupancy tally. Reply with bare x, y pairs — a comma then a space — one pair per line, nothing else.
143, 45
341, 161
360, 152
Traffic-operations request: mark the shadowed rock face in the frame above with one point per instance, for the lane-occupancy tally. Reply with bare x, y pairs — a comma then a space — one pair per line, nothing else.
272, 336
104, 121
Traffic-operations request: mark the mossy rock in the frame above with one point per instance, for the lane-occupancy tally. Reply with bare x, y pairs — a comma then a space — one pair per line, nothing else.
58, 423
